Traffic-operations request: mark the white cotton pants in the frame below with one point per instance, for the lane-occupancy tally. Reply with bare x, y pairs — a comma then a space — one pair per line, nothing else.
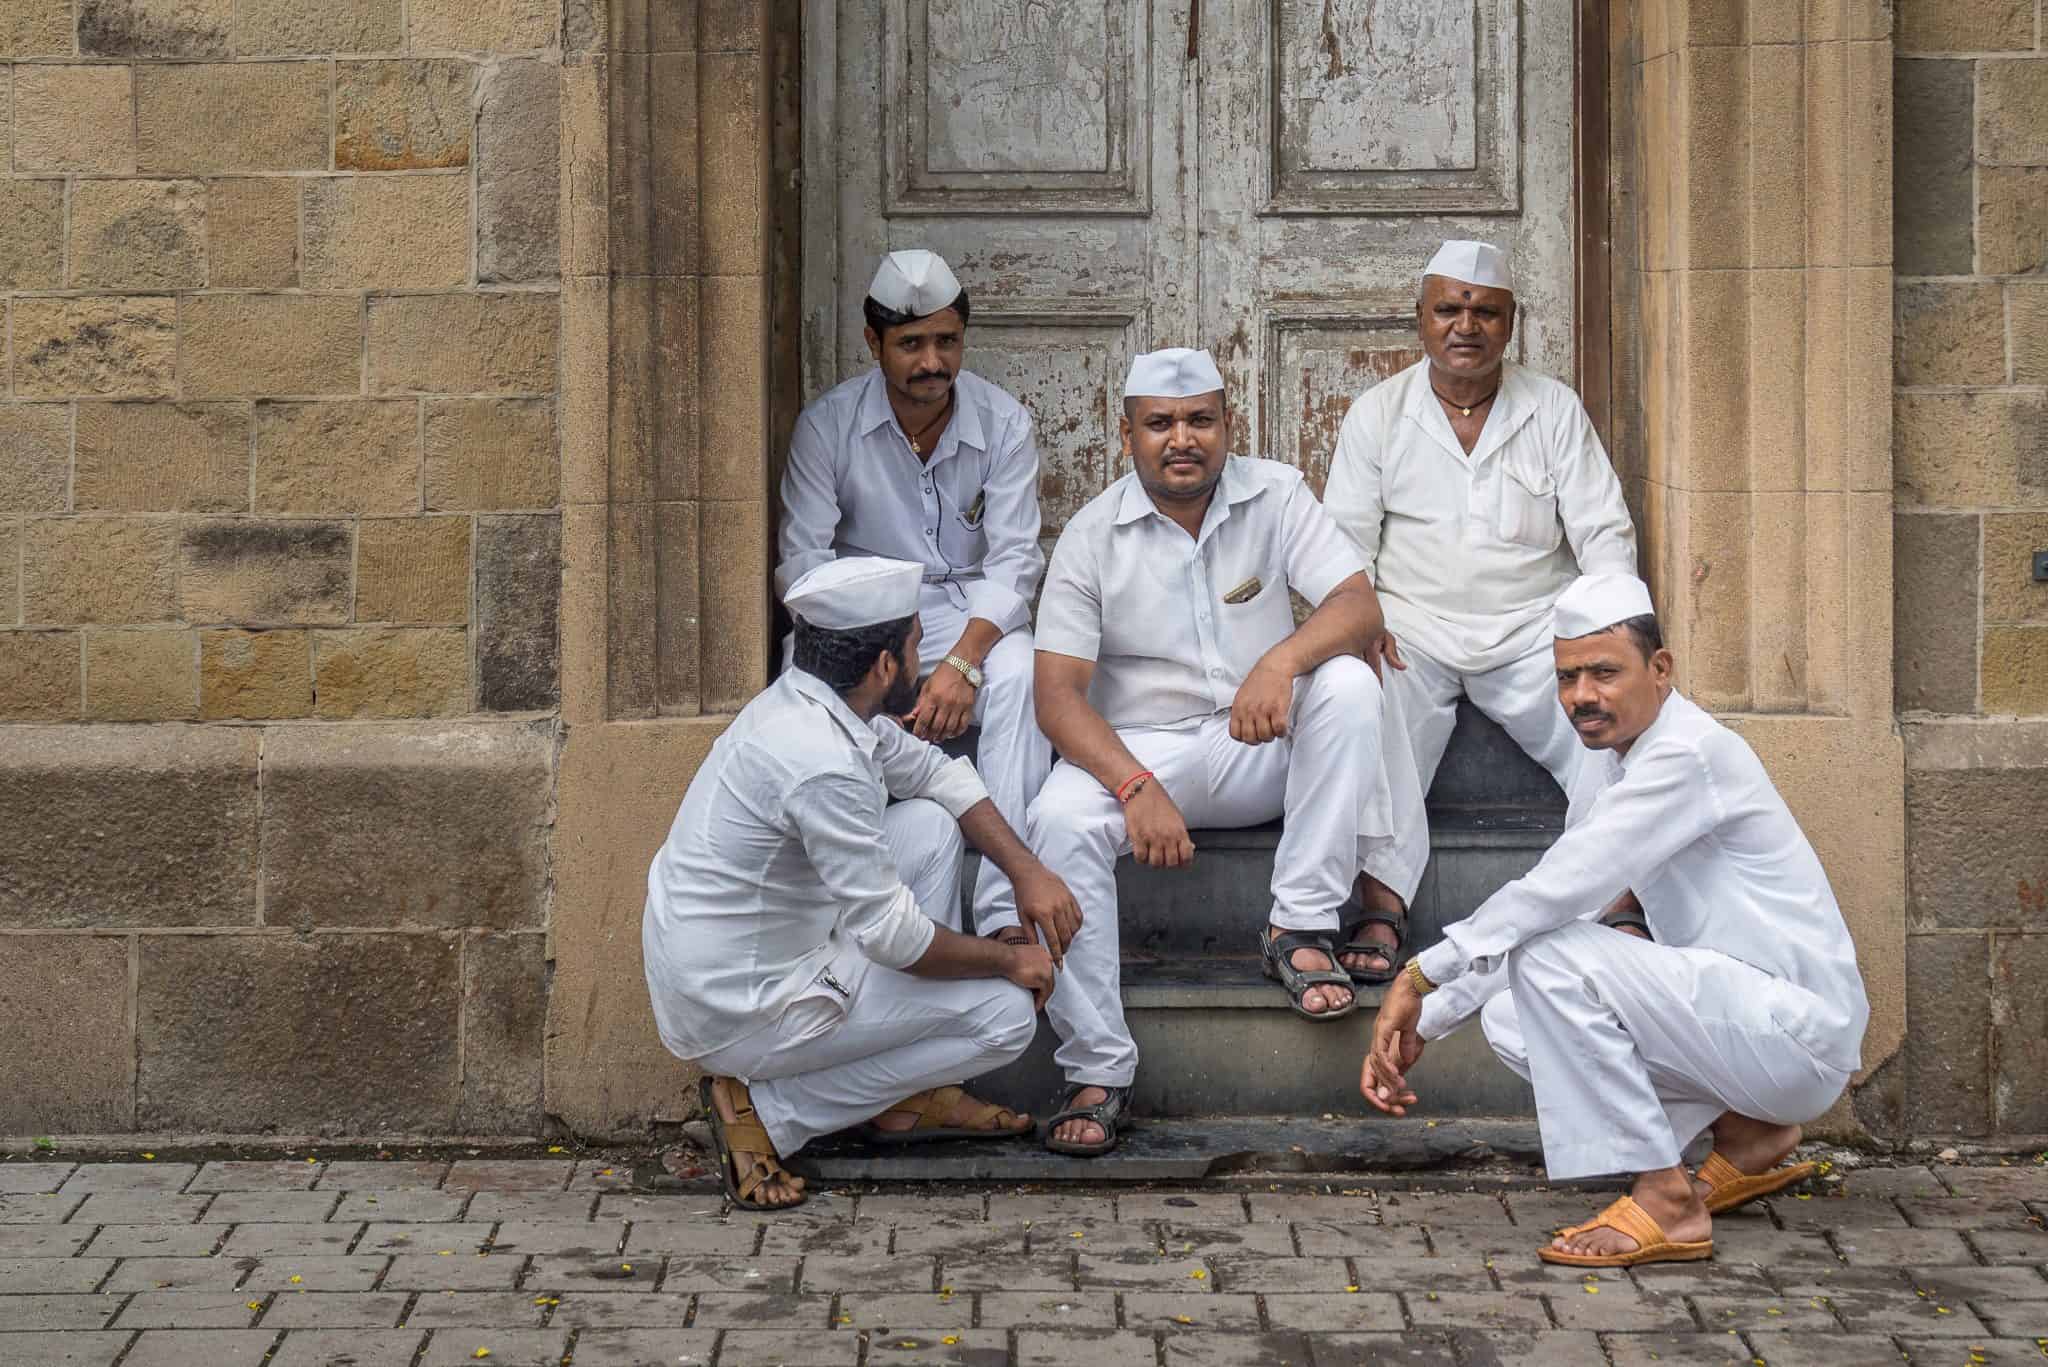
1013, 755
1521, 695
1325, 779
1634, 1049
816, 1071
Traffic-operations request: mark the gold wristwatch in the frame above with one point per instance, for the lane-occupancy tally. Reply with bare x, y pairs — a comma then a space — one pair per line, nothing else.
967, 671
1418, 980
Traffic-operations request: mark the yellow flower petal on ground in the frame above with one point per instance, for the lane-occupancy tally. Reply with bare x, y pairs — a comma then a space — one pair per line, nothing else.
554, 1148
482, 1353
950, 1339
255, 1305
1183, 1319
1352, 1289
296, 1279
150, 1156
1592, 1290
1198, 1274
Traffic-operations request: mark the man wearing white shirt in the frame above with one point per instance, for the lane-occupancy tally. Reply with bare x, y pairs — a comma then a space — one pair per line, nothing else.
920, 460
1744, 1018
1179, 691
1477, 490
801, 935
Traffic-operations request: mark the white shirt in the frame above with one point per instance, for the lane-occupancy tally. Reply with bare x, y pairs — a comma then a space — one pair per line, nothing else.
1150, 605
776, 866
968, 514
1469, 552
1691, 823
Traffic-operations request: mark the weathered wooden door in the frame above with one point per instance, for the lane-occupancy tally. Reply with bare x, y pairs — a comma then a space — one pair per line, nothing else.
1262, 177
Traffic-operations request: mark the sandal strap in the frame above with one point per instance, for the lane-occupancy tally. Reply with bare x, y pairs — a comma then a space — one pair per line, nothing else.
1624, 1216
937, 1105
1380, 916
760, 1172
1718, 1172
748, 1136
1281, 951
1106, 1112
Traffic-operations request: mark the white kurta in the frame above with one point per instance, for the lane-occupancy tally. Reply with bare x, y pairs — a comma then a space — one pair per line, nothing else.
969, 515
1173, 624
1750, 997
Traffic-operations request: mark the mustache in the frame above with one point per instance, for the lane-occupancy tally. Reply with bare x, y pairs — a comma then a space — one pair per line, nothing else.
930, 375
1591, 714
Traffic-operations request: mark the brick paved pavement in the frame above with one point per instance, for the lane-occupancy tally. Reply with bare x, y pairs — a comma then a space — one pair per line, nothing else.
535, 1263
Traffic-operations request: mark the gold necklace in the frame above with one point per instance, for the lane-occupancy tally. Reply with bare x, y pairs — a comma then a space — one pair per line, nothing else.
916, 442
1467, 412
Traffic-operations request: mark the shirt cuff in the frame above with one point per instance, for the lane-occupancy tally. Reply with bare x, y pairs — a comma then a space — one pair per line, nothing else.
997, 603
901, 935
955, 786
1054, 641
1439, 1017
1443, 963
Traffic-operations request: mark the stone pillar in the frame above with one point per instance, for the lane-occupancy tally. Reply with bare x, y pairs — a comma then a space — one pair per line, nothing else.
665, 460
1761, 168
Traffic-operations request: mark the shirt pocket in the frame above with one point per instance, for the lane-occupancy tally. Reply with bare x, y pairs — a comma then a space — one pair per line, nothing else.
1528, 506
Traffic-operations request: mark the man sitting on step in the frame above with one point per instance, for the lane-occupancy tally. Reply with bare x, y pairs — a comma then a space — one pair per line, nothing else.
801, 936
1745, 1016
1476, 489
1178, 691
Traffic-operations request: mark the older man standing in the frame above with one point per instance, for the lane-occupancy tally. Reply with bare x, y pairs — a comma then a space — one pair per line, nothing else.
1173, 679
1744, 1018
1477, 490
923, 461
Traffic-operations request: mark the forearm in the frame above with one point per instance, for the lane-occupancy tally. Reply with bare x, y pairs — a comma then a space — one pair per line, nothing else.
1082, 737
1347, 620
953, 955
976, 641
986, 830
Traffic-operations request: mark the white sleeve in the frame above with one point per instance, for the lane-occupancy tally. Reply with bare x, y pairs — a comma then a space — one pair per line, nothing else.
915, 768
810, 505
839, 820
1010, 522
1319, 555
1589, 500
1070, 609
1352, 493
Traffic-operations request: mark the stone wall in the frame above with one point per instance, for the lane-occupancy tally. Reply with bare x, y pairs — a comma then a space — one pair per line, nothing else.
1971, 644
279, 562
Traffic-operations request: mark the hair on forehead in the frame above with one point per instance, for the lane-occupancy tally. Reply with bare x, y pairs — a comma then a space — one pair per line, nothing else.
881, 318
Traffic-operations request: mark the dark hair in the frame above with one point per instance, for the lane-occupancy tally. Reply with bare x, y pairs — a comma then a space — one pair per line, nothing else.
1644, 631
843, 658
882, 319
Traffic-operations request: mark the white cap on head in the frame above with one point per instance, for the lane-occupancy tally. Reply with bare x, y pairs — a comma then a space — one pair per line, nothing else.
1175, 372
856, 591
1595, 602
1474, 263
914, 282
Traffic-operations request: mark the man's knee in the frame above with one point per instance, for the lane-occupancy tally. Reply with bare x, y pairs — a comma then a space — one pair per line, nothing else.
1565, 954
1010, 1023
1503, 1030
1068, 813
926, 827
1007, 669
1347, 680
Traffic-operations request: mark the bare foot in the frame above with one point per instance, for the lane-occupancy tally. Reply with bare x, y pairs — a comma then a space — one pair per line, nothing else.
1316, 1000
1667, 1197
781, 1187
1374, 894
1753, 1146
905, 1113
1083, 1131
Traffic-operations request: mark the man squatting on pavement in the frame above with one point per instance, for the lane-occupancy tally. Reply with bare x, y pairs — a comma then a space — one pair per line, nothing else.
1476, 489
920, 460
1178, 691
1744, 1018
801, 934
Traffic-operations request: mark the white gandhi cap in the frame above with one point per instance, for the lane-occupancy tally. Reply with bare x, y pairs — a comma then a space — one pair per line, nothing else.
1177, 372
914, 282
1595, 602
856, 591
1473, 263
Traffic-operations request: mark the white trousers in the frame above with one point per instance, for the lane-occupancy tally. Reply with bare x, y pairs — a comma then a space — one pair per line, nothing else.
814, 1072
1634, 1049
1013, 755
1521, 695
1325, 779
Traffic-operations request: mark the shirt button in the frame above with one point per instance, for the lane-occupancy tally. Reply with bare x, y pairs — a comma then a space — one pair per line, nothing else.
1216, 673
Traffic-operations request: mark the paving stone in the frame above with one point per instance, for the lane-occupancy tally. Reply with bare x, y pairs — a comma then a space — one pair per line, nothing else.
601, 1176
921, 1210
186, 1348
463, 1237
1834, 1350
1840, 1281
141, 1208
2010, 1245
2028, 1183
270, 1207
1541, 1277
1384, 1350
1548, 1212
532, 1207
1512, 1348
2015, 1319
1786, 1314
1043, 1209
49, 1276
156, 1240
262, 1240
61, 1350
32, 1178
1202, 1240
1366, 1242
1082, 1348
1424, 1274
1091, 1236
654, 1238
186, 1310
50, 1209
1175, 1312
130, 1177
1182, 1208
1341, 1313
585, 1238
1618, 1308
1236, 1350
1252, 1273
1475, 1244
783, 1348
1717, 1279
1773, 1247
609, 1310
1975, 1354
709, 1208
862, 1310
456, 1272
1968, 1212
1477, 1310
1049, 1309
58, 1313
835, 1240
1134, 1269
296, 1309
395, 1175
905, 1272
42, 1241
349, 1348
1673, 1350
399, 1206
1289, 1207
608, 1272
933, 1348
1951, 1284
761, 1310
238, 1176
727, 1274
506, 1347
1903, 1247
315, 1272
1845, 1213
475, 1310
1865, 1313
1441, 1209
644, 1347
176, 1274
509, 1174
1035, 1273
1892, 1182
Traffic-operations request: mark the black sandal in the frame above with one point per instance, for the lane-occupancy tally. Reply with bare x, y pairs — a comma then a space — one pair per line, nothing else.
1629, 920
1112, 1113
1277, 952
1374, 916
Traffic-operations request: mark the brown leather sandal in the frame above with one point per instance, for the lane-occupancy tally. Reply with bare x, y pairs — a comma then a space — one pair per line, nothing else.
1729, 1186
743, 1133
934, 1111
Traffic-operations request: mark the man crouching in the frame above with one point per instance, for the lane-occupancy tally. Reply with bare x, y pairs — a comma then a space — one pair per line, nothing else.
801, 936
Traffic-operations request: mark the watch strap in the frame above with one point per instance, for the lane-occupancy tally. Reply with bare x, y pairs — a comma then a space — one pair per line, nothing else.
967, 671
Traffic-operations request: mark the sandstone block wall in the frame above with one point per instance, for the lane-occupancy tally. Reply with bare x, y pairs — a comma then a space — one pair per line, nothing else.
1970, 397
280, 557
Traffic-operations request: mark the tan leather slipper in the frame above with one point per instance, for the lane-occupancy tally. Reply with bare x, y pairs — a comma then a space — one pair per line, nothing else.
1728, 1186
1626, 1217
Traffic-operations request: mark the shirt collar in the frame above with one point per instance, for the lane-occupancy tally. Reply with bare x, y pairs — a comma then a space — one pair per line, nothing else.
1514, 406
818, 691
1237, 486
966, 426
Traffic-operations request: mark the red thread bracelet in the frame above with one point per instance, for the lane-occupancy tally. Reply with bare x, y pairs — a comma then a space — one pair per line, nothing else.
1124, 793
